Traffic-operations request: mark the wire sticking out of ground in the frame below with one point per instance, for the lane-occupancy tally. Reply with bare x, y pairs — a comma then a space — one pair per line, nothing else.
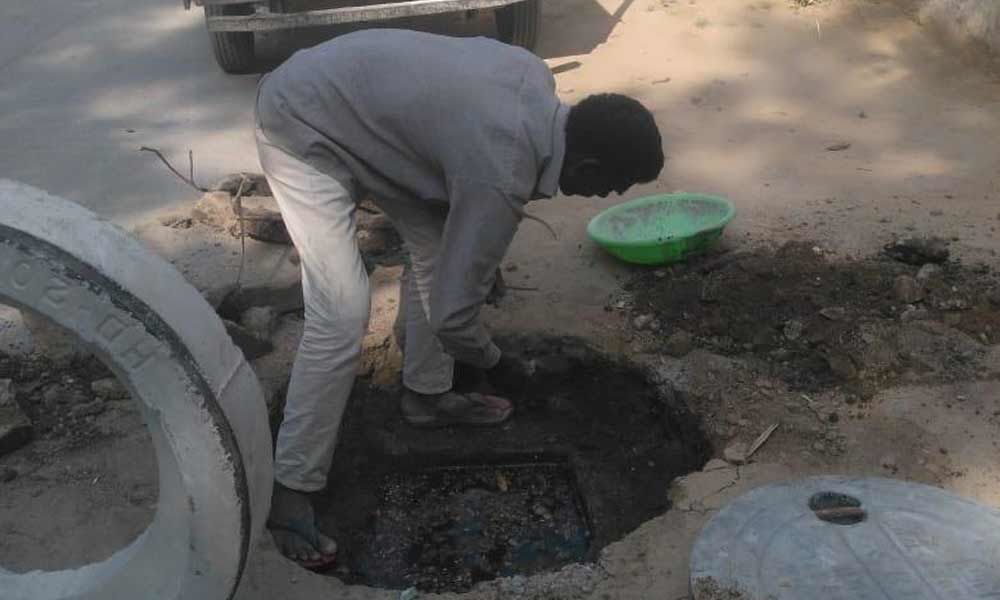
188, 180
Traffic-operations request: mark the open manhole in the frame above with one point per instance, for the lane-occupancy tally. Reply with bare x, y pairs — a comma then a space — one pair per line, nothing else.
588, 457
476, 522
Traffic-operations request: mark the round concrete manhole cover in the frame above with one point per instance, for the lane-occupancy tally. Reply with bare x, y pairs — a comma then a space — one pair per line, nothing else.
854, 539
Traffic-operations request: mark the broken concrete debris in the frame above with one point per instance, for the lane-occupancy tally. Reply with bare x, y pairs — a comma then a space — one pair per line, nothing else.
256, 184
257, 217
214, 208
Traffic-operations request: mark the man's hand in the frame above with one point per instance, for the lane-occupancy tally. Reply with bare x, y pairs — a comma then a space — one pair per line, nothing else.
499, 290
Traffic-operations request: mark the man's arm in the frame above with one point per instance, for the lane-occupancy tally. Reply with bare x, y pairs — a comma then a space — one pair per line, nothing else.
482, 221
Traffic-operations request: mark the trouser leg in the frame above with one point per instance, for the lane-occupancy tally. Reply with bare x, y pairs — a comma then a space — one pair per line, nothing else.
427, 369
318, 210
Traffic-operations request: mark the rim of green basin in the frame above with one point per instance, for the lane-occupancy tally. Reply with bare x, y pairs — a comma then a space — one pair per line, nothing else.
593, 228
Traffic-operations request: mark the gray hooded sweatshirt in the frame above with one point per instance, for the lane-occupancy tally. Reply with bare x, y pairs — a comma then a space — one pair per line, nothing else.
467, 125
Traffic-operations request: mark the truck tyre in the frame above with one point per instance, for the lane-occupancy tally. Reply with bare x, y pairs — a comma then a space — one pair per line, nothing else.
233, 50
518, 24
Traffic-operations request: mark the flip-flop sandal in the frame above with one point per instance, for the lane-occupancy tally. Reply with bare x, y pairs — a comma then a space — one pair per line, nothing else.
320, 565
469, 380
475, 409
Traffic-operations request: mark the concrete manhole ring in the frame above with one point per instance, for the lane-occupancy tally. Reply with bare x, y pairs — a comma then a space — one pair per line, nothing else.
201, 401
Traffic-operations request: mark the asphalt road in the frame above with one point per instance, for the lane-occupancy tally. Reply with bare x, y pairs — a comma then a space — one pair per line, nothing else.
86, 83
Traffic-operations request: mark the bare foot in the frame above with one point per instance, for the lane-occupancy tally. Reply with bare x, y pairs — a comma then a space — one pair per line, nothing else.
293, 525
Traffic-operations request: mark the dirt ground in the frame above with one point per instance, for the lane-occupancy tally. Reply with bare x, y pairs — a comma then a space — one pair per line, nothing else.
819, 324
836, 129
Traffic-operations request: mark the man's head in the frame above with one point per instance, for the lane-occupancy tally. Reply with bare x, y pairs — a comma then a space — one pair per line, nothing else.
612, 143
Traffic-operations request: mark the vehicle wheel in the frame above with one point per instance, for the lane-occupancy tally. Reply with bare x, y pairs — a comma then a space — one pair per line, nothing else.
518, 24
233, 49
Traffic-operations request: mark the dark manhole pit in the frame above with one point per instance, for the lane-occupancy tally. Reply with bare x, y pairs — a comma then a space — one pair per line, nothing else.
477, 522
588, 457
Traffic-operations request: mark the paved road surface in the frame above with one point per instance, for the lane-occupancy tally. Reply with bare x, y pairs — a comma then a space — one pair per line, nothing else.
85, 83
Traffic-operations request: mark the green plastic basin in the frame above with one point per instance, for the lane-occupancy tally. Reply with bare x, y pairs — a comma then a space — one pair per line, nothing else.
667, 228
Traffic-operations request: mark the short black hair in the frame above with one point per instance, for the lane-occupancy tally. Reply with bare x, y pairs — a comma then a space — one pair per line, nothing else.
618, 131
